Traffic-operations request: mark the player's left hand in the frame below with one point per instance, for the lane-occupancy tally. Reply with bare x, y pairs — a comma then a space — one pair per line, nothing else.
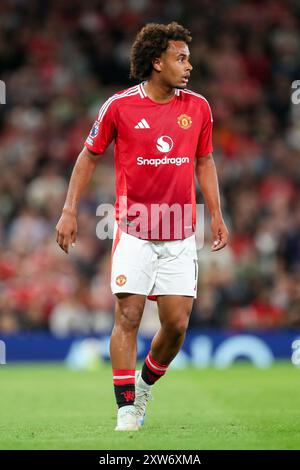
219, 232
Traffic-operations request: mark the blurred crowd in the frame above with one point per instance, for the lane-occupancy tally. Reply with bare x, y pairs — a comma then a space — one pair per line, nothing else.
60, 61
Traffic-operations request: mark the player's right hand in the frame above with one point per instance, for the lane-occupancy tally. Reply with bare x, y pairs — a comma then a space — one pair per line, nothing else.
66, 231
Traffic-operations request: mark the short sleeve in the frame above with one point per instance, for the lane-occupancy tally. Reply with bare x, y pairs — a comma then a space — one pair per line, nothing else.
205, 138
103, 130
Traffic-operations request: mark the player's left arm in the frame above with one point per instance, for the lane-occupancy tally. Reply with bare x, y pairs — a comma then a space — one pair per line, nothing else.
207, 177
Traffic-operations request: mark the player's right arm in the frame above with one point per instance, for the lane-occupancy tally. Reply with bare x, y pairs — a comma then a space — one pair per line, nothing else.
101, 135
66, 228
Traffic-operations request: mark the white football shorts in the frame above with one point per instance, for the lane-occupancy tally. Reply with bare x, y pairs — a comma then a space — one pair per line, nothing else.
153, 268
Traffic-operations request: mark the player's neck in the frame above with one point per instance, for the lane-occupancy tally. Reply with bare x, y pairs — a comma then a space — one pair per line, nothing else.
158, 92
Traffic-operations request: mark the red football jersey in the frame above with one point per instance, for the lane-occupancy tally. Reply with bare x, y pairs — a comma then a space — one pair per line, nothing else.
155, 149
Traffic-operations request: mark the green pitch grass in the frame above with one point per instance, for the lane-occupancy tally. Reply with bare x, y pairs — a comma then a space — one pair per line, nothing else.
51, 407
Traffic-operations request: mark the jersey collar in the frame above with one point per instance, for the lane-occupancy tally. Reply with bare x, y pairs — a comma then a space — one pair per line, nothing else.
143, 93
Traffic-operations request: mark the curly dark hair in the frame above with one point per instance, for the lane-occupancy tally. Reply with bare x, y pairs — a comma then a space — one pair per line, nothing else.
150, 43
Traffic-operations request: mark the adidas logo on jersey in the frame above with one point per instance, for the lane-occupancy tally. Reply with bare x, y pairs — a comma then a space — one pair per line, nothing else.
143, 124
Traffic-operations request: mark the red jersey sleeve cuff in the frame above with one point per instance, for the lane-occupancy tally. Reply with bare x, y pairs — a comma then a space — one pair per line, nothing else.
204, 154
91, 147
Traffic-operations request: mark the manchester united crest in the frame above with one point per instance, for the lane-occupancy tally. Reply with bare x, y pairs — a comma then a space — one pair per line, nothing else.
184, 121
121, 280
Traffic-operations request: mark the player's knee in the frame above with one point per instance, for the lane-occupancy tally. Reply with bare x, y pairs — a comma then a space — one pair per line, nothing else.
129, 318
177, 328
